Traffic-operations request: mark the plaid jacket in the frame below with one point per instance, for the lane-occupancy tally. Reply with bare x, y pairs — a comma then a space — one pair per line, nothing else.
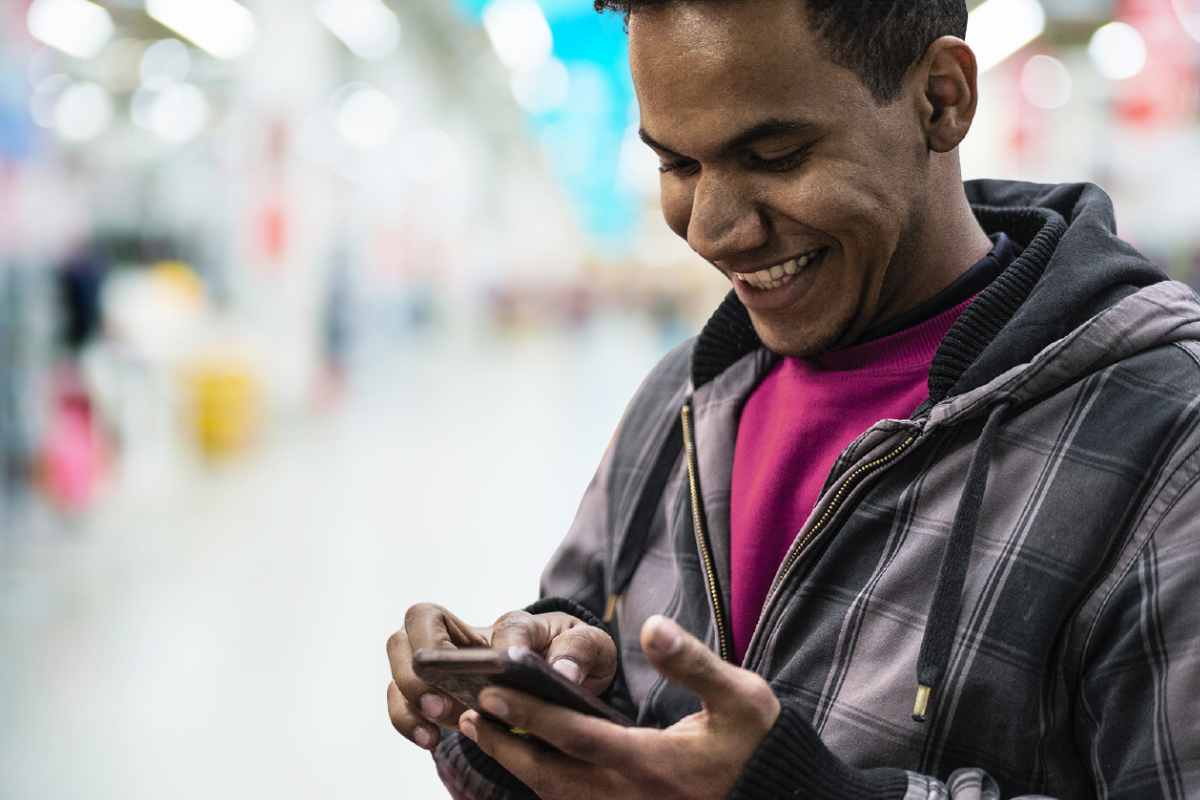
1074, 647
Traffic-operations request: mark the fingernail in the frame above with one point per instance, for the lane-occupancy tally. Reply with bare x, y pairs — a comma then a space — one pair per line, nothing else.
422, 737
468, 730
492, 704
433, 706
568, 669
665, 638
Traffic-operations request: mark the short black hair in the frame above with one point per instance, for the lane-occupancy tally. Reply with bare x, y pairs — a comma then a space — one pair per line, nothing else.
878, 40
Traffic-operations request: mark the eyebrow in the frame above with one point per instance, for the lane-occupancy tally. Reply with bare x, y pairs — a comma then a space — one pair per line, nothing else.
767, 129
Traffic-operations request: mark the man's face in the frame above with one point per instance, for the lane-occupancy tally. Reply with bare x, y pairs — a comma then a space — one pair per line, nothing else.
780, 169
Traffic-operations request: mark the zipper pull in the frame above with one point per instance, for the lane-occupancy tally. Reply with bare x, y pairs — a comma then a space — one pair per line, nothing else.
610, 609
922, 703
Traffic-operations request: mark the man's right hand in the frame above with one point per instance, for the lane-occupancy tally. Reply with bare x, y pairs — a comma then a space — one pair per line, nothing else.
581, 652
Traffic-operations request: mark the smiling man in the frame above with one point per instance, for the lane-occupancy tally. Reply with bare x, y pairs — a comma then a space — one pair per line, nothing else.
916, 514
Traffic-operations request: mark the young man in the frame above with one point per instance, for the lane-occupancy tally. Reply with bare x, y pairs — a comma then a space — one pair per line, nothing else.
929, 475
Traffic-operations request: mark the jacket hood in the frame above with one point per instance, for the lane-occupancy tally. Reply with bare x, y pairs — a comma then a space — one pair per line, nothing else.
1072, 267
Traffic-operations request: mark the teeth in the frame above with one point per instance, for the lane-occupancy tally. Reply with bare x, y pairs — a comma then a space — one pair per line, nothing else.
774, 277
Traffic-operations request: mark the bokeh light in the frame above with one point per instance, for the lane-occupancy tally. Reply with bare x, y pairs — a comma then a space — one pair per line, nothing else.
76, 27
1117, 51
1046, 82
366, 116
82, 112
519, 32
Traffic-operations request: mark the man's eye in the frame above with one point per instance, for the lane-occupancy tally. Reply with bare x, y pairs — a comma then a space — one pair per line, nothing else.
782, 164
682, 167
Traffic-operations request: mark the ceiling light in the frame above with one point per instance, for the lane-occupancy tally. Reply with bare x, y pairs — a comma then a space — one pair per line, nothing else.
82, 112
1117, 51
164, 63
1045, 82
221, 27
366, 117
76, 27
367, 27
999, 28
176, 114
519, 33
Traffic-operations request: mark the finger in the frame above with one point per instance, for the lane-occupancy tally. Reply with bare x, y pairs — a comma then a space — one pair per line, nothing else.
521, 629
430, 625
586, 655
427, 625
588, 739
535, 631
421, 697
551, 775
723, 688
410, 725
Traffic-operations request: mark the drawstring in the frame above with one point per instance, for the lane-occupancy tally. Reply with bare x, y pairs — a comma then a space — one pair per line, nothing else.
947, 597
637, 537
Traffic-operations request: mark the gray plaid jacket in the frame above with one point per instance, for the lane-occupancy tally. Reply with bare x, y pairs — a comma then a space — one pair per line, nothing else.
1074, 658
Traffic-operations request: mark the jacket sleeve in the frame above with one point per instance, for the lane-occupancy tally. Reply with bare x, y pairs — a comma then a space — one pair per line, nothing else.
1138, 708
792, 762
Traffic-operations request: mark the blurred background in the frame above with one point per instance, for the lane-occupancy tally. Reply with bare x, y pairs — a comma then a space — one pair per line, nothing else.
314, 309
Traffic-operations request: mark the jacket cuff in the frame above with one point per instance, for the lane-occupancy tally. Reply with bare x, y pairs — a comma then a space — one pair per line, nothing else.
793, 761
567, 606
471, 774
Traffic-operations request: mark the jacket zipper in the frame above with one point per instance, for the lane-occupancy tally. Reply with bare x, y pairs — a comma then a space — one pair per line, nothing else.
710, 572
832, 508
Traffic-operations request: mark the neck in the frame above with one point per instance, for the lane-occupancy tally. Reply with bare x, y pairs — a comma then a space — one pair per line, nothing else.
943, 241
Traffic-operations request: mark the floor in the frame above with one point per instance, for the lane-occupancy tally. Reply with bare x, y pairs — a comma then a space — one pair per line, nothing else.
222, 634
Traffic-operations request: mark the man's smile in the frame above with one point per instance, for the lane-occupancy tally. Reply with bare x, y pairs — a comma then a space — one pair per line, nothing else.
778, 275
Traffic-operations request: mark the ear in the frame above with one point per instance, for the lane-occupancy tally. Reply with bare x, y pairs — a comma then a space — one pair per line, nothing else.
949, 93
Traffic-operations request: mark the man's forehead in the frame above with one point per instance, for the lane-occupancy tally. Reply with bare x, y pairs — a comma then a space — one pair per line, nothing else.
718, 68
688, 45
713, 30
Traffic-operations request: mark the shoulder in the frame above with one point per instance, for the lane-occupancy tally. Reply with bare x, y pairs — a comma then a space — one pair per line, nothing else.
658, 399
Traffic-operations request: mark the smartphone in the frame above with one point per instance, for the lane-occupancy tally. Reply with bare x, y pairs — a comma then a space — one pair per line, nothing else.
465, 673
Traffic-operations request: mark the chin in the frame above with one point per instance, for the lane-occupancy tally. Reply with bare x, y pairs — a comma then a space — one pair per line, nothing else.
801, 341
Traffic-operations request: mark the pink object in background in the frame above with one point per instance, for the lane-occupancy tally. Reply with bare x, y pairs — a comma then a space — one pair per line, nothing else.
71, 461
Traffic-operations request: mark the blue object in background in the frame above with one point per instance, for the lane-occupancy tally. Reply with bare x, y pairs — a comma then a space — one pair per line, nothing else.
583, 137
18, 134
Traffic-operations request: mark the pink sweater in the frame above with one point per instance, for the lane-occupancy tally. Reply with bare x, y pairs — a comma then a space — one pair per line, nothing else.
793, 428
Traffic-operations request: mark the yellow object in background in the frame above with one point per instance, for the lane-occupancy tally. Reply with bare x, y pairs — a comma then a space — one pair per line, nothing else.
225, 407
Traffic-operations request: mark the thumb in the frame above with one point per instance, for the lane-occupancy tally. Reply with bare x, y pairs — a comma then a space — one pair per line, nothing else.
684, 660
585, 655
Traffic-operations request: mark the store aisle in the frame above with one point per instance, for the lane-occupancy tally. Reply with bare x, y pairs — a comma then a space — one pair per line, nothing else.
224, 636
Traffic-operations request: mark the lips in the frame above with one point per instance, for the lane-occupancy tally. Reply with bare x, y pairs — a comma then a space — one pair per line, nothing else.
779, 275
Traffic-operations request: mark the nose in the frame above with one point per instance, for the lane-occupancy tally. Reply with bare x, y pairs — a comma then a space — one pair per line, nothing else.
725, 221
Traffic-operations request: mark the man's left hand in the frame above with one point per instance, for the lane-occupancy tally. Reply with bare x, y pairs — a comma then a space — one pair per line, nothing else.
701, 756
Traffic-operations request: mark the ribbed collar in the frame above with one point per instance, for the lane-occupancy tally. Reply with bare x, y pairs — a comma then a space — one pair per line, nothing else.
729, 334
896, 352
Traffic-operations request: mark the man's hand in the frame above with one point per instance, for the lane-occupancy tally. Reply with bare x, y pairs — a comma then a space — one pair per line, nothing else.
585, 654
700, 756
